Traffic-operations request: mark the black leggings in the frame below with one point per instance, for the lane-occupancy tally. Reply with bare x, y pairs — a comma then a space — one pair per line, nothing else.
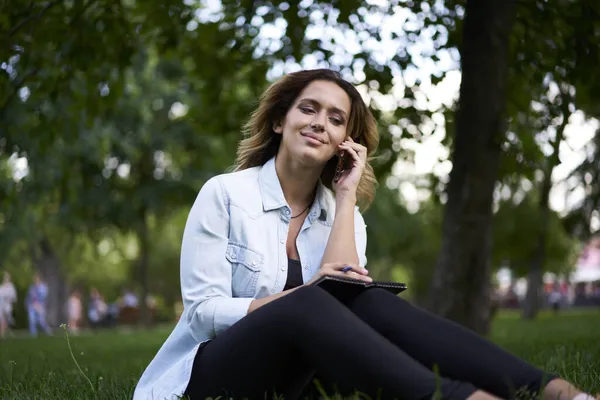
378, 344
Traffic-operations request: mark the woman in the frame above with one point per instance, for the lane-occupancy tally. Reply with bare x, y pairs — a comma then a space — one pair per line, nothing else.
97, 309
74, 308
258, 237
8, 296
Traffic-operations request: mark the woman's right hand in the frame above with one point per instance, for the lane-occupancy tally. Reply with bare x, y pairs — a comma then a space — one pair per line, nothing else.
336, 269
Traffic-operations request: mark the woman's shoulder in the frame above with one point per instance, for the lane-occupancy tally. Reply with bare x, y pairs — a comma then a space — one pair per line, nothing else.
238, 187
232, 181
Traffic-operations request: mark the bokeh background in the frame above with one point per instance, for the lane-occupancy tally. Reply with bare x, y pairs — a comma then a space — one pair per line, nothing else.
114, 113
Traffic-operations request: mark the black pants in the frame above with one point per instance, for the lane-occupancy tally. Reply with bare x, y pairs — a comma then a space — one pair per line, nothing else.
378, 344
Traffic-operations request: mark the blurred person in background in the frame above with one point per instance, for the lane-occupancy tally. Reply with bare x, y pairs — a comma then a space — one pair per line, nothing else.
129, 299
555, 298
74, 308
35, 302
8, 296
97, 309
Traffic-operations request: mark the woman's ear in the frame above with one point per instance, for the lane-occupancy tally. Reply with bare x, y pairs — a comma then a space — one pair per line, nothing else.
277, 127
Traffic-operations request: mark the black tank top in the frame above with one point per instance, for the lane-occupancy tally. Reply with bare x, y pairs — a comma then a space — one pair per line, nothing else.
294, 278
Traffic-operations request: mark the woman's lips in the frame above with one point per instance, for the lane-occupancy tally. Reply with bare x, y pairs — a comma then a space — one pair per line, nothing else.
312, 138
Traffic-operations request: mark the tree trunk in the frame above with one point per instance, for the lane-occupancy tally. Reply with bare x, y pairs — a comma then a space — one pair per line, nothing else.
460, 287
143, 262
48, 265
536, 268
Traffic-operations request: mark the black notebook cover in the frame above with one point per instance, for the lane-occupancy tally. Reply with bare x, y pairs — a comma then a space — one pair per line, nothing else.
345, 289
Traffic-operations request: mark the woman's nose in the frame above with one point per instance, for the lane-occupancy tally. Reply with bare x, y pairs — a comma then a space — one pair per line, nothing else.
318, 123
317, 127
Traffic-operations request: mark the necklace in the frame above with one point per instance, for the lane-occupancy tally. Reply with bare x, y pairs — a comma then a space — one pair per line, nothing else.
303, 211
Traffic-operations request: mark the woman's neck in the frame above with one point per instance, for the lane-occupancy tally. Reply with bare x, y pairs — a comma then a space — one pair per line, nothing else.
298, 182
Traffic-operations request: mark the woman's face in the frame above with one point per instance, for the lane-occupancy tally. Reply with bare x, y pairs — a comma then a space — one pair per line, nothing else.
315, 124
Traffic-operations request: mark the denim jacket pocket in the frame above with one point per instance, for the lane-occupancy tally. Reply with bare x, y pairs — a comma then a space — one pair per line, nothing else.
246, 266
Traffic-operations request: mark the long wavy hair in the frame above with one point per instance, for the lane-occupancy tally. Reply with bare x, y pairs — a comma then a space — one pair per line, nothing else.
261, 143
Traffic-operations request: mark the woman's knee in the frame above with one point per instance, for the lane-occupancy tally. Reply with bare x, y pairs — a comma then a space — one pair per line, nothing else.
310, 297
378, 297
310, 302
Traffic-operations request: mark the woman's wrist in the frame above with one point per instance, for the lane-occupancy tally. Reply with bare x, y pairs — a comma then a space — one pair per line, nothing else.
345, 198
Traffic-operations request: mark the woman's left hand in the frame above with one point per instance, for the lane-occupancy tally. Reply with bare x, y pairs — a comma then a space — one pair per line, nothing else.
349, 178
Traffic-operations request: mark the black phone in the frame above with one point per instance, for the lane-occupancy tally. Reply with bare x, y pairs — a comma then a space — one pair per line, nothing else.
344, 162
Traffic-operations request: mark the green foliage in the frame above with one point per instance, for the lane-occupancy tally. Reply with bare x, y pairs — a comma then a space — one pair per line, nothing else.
123, 109
47, 44
517, 224
403, 240
579, 220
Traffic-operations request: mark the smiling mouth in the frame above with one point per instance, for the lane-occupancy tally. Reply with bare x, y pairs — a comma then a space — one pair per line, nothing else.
312, 136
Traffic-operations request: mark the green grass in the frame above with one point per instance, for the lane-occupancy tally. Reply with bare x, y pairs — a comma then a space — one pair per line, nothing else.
43, 368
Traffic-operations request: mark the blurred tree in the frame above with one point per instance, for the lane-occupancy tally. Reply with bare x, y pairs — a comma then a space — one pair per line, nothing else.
147, 170
555, 52
579, 221
110, 146
44, 44
516, 222
560, 109
460, 287
551, 78
399, 237
58, 62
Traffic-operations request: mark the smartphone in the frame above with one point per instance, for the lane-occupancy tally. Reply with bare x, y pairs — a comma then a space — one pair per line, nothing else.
344, 163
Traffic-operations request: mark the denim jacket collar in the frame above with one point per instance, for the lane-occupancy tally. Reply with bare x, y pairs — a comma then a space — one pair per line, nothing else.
273, 198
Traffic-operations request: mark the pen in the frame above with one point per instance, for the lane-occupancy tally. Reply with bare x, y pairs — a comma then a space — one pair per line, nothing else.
346, 268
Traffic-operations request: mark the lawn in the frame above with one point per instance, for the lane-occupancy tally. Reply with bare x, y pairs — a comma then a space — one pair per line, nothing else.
43, 368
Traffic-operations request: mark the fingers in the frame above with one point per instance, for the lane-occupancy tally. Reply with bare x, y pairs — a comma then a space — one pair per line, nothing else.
339, 267
357, 151
351, 152
355, 275
348, 274
359, 147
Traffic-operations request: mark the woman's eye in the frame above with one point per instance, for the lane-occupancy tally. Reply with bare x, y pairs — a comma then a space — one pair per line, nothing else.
337, 121
306, 109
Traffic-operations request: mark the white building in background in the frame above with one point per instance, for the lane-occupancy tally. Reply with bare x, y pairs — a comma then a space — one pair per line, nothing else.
505, 280
581, 288
588, 265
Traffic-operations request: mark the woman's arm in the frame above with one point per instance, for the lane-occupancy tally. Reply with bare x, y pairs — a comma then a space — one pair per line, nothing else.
341, 245
348, 228
258, 303
347, 242
205, 272
346, 245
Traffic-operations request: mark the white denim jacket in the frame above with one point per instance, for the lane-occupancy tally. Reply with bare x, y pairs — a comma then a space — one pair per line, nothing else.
234, 251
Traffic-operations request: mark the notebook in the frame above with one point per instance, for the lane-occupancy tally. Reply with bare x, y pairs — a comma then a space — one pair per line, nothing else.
345, 289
